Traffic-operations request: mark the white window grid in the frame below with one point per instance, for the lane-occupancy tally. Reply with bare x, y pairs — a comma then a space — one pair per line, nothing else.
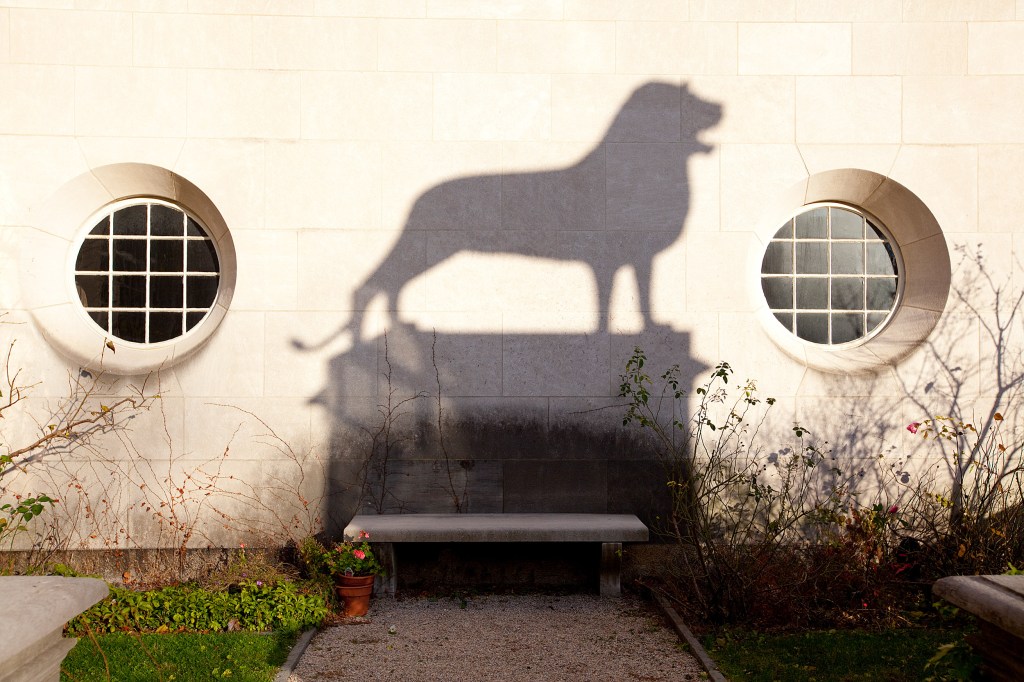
184, 274
826, 278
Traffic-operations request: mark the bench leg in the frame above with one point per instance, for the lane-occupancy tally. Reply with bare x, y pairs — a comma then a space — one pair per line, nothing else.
386, 584
611, 569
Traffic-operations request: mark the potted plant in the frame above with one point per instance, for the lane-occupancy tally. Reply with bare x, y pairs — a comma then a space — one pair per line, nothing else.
354, 567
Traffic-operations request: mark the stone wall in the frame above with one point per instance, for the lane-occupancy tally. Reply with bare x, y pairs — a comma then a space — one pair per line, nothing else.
495, 202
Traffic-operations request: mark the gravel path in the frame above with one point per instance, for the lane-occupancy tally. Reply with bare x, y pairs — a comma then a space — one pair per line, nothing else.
500, 637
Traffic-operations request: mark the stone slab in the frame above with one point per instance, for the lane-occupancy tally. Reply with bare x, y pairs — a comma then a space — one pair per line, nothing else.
500, 528
997, 599
33, 611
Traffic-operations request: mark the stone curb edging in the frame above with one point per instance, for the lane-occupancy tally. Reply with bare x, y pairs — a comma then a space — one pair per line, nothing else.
295, 654
680, 627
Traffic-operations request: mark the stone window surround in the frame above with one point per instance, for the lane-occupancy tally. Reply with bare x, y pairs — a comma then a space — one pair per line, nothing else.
925, 280
47, 275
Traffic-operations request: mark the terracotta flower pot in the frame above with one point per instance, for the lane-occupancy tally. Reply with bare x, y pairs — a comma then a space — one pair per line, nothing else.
354, 591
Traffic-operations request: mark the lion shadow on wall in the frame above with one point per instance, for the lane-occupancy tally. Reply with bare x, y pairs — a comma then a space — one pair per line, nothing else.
620, 206
514, 439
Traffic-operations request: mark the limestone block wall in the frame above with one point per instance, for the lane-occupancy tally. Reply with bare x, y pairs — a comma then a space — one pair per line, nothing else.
449, 222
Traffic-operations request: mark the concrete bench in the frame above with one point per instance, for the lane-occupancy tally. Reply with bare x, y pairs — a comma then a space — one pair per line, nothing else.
997, 603
611, 530
34, 611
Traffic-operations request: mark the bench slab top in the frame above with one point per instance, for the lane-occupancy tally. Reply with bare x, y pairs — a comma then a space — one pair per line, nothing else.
998, 599
37, 607
499, 528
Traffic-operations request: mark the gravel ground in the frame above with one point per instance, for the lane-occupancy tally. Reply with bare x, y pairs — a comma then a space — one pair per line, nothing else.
500, 637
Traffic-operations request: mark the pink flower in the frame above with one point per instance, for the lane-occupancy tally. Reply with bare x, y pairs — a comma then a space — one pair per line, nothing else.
359, 554
913, 427
363, 534
893, 509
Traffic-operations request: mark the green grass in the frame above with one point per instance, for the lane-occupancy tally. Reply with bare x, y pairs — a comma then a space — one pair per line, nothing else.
179, 657
833, 656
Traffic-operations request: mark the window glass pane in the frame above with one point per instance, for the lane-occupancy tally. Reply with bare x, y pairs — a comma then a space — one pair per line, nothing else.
812, 258
102, 227
847, 258
873, 233
164, 326
778, 259
881, 293
129, 255
94, 255
192, 319
130, 220
100, 318
193, 229
128, 326
847, 293
165, 292
165, 221
847, 327
128, 292
881, 259
92, 290
786, 319
812, 224
778, 292
875, 319
166, 255
812, 327
812, 293
846, 224
786, 231
202, 291
201, 256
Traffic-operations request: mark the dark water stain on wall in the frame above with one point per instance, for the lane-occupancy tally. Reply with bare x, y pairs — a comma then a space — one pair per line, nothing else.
492, 454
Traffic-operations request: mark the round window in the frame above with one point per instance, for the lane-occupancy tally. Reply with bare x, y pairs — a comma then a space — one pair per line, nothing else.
851, 271
147, 272
831, 275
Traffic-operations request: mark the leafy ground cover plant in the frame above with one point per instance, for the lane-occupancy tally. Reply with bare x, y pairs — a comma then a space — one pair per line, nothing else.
251, 606
240, 623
